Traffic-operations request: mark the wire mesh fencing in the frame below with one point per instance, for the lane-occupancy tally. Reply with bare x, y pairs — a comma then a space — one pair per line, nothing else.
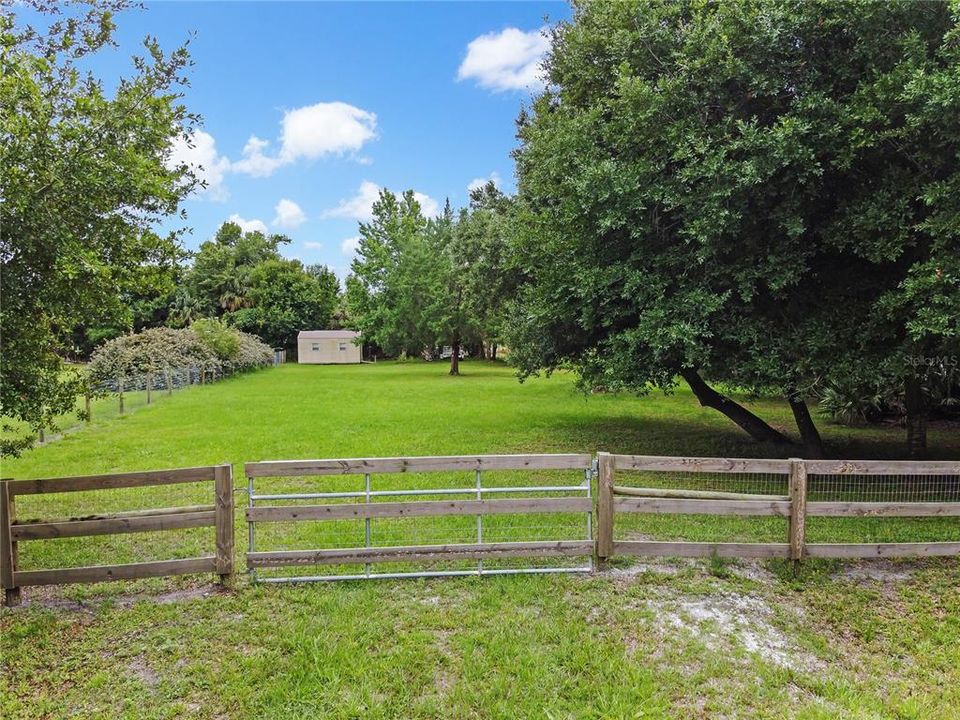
701, 486
821, 508
875, 489
114, 548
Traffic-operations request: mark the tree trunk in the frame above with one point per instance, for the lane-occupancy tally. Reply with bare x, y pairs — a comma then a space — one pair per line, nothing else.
808, 431
455, 345
455, 357
746, 420
915, 404
149, 386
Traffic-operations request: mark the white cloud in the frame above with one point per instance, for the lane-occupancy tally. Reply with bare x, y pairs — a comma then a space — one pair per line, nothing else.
349, 245
199, 152
479, 182
310, 245
310, 132
254, 161
508, 60
429, 206
360, 206
289, 214
248, 225
325, 128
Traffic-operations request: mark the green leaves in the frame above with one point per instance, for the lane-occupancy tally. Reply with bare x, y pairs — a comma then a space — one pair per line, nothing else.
417, 283
286, 299
85, 180
766, 191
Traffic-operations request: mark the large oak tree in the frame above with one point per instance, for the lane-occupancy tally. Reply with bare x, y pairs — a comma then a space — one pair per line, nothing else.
763, 194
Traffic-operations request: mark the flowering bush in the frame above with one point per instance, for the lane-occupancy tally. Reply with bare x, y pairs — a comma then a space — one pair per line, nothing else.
206, 348
251, 353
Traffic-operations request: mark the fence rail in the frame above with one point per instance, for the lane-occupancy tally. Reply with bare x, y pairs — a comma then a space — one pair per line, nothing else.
792, 491
375, 507
218, 515
795, 506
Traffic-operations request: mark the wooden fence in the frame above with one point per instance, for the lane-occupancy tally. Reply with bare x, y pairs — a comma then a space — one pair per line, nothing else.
219, 514
794, 506
370, 509
795, 490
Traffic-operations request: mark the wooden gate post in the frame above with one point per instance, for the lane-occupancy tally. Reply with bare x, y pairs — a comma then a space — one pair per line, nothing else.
798, 508
223, 482
604, 508
8, 555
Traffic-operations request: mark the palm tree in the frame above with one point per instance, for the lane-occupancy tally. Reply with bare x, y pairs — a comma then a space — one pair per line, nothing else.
184, 310
235, 289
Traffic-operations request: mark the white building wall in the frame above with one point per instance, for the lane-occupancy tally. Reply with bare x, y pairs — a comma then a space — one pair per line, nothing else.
327, 351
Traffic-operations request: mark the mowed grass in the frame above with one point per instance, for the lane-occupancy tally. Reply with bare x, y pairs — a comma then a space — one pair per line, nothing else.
666, 639
416, 409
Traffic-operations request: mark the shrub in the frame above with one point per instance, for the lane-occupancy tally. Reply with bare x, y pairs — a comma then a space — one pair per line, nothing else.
252, 352
154, 351
222, 340
211, 348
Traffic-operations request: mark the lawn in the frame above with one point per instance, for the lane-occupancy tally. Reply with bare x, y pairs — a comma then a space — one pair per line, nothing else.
653, 639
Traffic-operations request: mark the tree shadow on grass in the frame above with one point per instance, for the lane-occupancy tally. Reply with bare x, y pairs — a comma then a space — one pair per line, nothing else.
685, 436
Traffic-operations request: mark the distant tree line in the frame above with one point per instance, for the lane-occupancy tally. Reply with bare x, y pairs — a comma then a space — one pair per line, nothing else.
240, 278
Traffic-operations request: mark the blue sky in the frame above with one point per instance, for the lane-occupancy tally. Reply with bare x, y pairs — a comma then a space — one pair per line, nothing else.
348, 97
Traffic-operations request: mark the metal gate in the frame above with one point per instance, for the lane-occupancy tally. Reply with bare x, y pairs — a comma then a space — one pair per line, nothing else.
528, 527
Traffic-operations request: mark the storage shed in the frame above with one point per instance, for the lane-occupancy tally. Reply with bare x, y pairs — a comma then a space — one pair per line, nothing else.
328, 347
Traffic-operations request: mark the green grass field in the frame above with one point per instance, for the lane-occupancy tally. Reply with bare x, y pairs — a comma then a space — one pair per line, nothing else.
652, 639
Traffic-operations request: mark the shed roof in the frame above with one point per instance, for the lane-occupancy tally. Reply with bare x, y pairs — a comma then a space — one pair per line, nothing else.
327, 335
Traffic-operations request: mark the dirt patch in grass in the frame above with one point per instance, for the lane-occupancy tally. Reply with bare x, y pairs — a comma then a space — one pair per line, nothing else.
655, 567
883, 571
727, 621
444, 678
53, 600
139, 669
754, 570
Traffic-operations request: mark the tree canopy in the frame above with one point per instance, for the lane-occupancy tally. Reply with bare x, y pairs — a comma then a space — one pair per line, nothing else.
762, 194
220, 277
85, 178
420, 283
285, 299
389, 289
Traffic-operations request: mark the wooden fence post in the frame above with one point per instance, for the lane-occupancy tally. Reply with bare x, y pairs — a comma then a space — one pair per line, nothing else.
223, 482
798, 508
604, 508
8, 555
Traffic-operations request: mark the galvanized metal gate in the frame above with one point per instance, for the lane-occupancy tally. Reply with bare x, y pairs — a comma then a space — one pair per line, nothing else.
556, 547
